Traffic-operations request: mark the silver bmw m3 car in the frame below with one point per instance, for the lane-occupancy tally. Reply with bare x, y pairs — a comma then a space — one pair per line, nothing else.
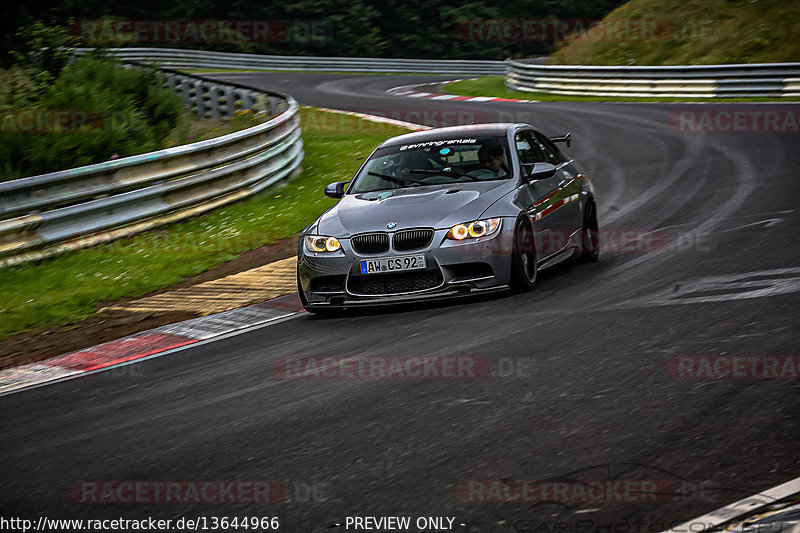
448, 212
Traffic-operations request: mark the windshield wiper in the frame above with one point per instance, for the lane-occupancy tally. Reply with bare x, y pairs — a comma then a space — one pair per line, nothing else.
394, 179
443, 172
451, 172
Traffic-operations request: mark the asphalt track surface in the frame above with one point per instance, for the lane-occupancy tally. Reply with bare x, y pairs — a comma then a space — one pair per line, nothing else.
589, 397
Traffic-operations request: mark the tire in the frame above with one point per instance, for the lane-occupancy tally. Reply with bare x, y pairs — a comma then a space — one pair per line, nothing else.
524, 259
590, 235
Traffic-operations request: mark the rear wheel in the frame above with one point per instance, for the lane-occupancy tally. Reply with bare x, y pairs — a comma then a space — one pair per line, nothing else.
590, 234
524, 259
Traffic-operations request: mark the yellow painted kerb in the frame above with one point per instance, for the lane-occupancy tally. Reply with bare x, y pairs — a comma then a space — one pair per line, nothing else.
230, 292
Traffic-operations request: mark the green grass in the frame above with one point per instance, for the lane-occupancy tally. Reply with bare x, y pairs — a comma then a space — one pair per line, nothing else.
68, 288
494, 86
192, 129
693, 32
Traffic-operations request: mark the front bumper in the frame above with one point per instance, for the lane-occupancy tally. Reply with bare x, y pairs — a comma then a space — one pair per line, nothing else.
452, 269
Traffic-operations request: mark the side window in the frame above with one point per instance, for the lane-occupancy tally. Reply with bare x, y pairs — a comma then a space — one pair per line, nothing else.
529, 149
554, 155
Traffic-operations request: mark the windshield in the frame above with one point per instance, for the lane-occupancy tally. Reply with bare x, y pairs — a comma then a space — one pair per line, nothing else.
433, 163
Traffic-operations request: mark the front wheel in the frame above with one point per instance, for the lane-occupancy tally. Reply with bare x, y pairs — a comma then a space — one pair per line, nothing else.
524, 260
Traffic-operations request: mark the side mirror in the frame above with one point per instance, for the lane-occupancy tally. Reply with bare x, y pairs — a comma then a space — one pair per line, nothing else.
539, 171
336, 190
563, 139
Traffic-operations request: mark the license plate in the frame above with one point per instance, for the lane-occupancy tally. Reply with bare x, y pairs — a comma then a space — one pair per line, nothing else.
392, 264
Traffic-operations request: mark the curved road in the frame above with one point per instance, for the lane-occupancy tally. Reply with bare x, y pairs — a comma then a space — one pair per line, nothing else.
580, 386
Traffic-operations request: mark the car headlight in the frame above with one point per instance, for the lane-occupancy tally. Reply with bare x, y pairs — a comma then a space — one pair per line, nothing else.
473, 230
321, 243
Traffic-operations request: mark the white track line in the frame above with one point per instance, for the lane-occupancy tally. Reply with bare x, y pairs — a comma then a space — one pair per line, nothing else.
376, 118
737, 509
232, 333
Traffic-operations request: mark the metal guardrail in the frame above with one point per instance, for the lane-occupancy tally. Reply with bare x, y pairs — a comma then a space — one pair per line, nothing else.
210, 98
706, 81
178, 58
41, 216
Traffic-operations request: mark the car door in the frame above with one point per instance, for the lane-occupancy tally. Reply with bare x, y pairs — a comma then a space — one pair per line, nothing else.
569, 184
549, 220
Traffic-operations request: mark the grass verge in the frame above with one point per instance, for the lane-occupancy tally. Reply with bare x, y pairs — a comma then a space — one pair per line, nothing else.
689, 32
68, 288
494, 86
192, 129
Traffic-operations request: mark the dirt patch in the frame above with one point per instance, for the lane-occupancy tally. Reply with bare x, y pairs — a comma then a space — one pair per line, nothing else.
110, 325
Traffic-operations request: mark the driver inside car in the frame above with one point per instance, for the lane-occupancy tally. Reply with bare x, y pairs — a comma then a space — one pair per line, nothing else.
490, 163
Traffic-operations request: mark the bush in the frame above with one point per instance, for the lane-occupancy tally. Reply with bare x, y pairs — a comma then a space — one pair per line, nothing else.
46, 52
128, 112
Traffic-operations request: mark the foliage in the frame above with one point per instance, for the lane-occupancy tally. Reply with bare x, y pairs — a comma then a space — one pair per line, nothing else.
392, 28
109, 112
694, 32
46, 51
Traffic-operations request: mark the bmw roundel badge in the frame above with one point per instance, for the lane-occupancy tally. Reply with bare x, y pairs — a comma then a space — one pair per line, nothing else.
391, 225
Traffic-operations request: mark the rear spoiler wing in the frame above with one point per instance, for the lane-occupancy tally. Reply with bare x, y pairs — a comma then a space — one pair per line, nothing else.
563, 139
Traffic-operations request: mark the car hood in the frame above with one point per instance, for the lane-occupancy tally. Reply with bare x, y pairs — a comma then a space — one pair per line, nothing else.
436, 206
